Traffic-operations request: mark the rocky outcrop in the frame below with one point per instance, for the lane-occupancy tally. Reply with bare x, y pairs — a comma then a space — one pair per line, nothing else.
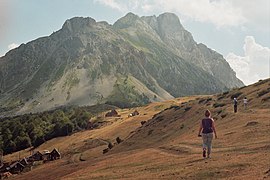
172, 33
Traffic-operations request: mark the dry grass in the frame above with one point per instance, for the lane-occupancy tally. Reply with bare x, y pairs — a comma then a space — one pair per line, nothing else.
167, 146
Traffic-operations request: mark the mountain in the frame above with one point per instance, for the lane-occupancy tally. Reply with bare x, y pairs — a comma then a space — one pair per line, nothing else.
168, 29
132, 62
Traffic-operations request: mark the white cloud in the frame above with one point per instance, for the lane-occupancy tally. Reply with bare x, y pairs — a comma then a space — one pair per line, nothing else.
113, 4
254, 65
12, 46
147, 7
256, 12
219, 12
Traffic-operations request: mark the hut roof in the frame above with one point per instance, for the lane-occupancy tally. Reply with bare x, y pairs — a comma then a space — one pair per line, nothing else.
24, 161
37, 153
55, 151
17, 163
46, 152
113, 111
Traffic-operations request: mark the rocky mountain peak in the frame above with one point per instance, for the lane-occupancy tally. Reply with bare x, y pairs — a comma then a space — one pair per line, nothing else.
169, 27
170, 20
126, 21
77, 24
151, 21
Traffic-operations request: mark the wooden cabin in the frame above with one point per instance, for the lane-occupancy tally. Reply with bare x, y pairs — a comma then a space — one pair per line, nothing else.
46, 156
135, 113
112, 113
24, 161
55, 154
37, 156
3, 167
16, 168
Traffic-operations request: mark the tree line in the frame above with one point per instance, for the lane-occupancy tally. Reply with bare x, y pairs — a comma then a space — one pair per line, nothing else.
20, 132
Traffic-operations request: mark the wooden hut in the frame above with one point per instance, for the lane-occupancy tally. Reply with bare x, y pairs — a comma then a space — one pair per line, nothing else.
3, 167
55, 154
37, 156
15, 168
135, 113
46, 156
112, 113
24, 161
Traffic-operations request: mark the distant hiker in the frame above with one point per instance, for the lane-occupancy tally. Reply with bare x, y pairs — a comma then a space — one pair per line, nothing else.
207, 127
245, 103
235, 105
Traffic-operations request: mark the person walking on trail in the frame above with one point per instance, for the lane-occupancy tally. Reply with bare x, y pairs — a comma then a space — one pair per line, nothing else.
235, 105
207, 127
245, 103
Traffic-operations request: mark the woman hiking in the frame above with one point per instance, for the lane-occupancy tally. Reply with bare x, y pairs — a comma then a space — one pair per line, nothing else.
207, 127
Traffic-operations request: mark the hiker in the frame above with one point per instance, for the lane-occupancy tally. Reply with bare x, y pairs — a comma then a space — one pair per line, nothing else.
235, 105
207, 127
245, 103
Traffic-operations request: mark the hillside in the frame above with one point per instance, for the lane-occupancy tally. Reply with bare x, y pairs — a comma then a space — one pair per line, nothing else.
24, 131
135, 61
167, 146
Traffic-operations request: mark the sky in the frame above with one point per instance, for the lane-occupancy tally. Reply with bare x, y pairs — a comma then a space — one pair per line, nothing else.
237, 29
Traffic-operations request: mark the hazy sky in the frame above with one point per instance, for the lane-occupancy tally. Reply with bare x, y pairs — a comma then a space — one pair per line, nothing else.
238, 29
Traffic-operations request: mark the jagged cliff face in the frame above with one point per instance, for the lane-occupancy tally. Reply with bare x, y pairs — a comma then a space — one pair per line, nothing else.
134, 61
168, 28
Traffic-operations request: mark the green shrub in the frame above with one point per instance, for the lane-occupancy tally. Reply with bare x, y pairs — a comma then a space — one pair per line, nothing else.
174, 107
208, 99
236, 95
201, 101
215, 105
182, 126
266, 99
223, 116
260, 82
263, 92
220, 97
219, 111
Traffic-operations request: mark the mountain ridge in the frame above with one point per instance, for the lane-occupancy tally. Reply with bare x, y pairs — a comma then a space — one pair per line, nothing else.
80, 64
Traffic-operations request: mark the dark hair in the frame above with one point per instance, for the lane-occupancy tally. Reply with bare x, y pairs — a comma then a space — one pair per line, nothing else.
207, 113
